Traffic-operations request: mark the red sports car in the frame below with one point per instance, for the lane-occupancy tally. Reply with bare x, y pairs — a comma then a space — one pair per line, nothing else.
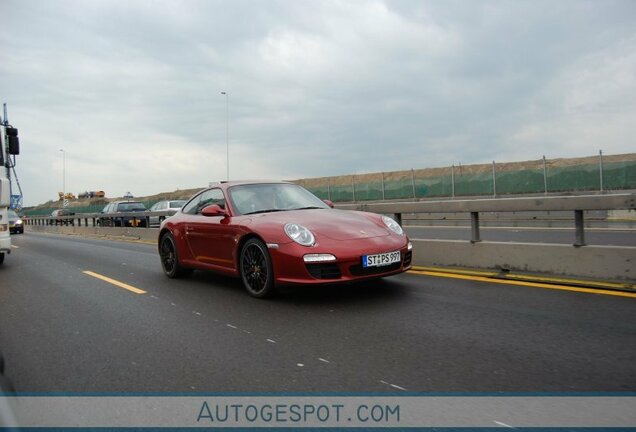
275, 233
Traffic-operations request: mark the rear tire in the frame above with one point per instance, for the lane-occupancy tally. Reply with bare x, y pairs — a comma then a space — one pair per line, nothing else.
1, 258
256, 269
170, 258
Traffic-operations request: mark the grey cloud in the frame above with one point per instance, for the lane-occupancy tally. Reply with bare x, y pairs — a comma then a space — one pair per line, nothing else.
315, 87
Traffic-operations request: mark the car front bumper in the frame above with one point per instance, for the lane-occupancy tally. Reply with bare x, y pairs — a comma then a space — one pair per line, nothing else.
16, 228
290, 267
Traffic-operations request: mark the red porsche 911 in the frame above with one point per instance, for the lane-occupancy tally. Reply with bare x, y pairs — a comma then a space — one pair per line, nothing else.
276, 233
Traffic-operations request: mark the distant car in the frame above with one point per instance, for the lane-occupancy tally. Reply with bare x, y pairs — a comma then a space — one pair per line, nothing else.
123, 207
61, 212
275, 233
16, 226
171, 206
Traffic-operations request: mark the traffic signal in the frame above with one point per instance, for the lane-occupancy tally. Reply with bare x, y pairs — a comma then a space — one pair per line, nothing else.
13, 140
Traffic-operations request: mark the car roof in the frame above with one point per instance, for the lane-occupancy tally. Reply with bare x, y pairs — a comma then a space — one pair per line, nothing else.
226, 184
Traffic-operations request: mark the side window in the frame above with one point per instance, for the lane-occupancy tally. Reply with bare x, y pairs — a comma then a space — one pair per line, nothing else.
209, 197
212, 196
191, 207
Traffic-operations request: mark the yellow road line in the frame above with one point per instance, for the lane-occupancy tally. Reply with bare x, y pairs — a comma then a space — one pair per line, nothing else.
590, 284
527, 284
115, 282
530, 278
469, 272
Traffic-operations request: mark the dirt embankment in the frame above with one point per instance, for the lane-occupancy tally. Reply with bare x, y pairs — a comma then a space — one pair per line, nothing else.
345, 180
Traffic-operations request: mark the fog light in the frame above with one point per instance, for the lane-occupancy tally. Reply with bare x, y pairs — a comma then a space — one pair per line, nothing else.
409, 246
313, 258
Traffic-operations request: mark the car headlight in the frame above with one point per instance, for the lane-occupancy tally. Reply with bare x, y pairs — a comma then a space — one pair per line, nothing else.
300, 234
18, 222
392, 225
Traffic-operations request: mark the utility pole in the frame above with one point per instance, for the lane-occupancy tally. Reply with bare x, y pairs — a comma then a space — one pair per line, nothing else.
227, 132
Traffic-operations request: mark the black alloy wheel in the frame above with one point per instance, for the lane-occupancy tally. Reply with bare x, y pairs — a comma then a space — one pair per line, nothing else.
256, 269
170, 258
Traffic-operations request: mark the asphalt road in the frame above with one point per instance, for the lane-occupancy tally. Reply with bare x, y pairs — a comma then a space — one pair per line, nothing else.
593, 236
62, 330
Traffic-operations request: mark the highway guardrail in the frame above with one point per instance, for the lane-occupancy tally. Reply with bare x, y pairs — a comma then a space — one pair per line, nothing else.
577, 259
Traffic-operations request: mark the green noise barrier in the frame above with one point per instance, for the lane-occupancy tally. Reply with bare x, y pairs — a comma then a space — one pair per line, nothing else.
593, 174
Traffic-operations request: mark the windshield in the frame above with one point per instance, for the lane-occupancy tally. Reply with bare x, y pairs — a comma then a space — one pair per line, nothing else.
262, 198
13, 215
131, 206
177, 204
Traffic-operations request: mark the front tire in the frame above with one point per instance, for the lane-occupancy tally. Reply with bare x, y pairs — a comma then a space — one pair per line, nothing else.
256, 269
170, 258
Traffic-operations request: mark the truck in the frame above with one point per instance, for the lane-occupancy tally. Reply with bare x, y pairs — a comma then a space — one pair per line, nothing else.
91, 194
9, 147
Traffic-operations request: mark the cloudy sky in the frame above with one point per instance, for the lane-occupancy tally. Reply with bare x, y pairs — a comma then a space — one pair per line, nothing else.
131, 90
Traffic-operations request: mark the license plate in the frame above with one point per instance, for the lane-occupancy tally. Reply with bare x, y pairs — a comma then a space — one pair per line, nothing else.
382, 259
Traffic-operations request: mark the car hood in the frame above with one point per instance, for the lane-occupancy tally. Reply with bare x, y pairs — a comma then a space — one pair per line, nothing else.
331, 223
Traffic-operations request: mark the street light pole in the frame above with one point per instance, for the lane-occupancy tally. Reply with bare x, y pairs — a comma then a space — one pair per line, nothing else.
227, 132
63, 177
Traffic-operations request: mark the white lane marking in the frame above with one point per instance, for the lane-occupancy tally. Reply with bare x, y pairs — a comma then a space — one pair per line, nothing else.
393, 385
270, 341
173, 304
503, 424
15, 247
323, 360
231, 326
248, 332
154, 297
196, 313
300, 365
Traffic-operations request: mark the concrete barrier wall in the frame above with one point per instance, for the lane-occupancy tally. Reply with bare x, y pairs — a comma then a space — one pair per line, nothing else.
147, 234
604, 262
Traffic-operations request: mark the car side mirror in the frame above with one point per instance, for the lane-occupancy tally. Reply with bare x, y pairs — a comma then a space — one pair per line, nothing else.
329, 203
213, 210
